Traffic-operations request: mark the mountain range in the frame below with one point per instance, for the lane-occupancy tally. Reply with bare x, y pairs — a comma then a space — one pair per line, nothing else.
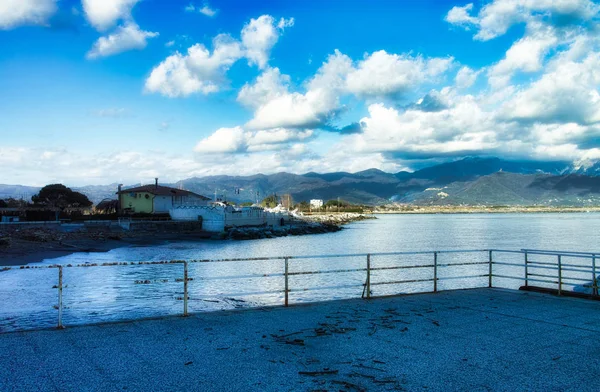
468, 181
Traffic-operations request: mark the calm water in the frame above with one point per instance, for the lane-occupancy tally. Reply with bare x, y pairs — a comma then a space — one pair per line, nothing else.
27, 298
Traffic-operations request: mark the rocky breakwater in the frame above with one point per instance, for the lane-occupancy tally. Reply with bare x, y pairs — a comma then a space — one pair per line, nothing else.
301, 225
337, 219
300, 228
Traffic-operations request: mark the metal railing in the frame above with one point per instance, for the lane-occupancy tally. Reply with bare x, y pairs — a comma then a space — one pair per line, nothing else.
486, 271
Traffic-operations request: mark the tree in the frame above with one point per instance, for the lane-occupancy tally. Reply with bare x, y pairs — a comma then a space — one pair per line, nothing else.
13, 203
303, 206
270, 201
58, 195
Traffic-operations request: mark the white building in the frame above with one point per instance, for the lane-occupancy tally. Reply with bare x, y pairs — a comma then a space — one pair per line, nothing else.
316, 203
218, 217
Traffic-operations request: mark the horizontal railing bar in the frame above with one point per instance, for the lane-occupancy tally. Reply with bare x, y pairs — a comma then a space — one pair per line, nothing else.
326, 272
581, 256
464, 277
326, 288
522, 278
402, 281
561, 252
245, 259
554, 268
240, 276
556, 264
468, 263
402, 267
228, 295
505, 263
563, 277
505, 251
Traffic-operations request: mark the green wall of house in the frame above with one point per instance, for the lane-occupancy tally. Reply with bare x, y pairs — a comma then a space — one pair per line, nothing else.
138, 202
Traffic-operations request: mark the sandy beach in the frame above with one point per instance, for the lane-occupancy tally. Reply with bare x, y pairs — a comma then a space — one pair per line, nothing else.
22, 252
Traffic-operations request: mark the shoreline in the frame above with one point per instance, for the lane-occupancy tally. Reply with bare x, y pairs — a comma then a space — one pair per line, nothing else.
488, 210
33, 245
23, 252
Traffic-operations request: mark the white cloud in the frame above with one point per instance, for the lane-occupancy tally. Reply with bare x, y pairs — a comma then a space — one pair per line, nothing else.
466, 77
461, 16
203, 72
496, 17
224, 140
14, 13
268, 86
238, 140
378, 75
199, 71
206, 10
124, 38
280, 108
104, 14
260, 35
382, 74
526, 54
568, 93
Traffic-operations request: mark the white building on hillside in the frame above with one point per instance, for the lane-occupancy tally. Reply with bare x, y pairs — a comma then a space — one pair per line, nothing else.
316, 203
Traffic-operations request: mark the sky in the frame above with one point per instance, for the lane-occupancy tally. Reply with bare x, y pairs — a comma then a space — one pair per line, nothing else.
106, 91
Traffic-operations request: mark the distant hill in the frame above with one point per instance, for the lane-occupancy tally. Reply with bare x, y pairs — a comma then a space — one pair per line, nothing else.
511, 189
473, 180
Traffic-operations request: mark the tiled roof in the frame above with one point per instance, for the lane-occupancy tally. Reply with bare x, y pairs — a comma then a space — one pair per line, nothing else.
160, 190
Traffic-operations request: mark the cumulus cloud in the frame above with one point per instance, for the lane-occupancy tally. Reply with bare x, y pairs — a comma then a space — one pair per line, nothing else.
200, 71
260, 35
526, 55
238, 140
568, 93
466, 77
14, 13
268, 86
383, 74
104, 14
378, 75
124, 38
496, 17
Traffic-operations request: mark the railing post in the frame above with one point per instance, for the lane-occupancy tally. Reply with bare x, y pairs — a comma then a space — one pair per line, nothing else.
526, 270
368, 276
286, 281
60, 296
185, 289
490, 270
559, 275
435, 272
594, 278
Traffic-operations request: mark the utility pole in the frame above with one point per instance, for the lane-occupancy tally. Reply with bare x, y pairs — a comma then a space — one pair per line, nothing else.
338, 204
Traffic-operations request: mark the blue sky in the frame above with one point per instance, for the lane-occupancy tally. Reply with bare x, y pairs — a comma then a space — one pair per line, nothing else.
100, 91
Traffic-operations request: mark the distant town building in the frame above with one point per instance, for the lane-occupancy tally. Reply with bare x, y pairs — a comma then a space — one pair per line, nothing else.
155, 199
316, 203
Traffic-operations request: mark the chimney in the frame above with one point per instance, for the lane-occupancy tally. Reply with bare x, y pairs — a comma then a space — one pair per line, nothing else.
156, 183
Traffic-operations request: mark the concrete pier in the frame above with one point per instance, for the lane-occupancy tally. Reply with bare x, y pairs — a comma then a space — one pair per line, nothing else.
481, 339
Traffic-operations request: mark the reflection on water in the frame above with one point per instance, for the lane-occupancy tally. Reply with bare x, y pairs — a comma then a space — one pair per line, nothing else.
27, 297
